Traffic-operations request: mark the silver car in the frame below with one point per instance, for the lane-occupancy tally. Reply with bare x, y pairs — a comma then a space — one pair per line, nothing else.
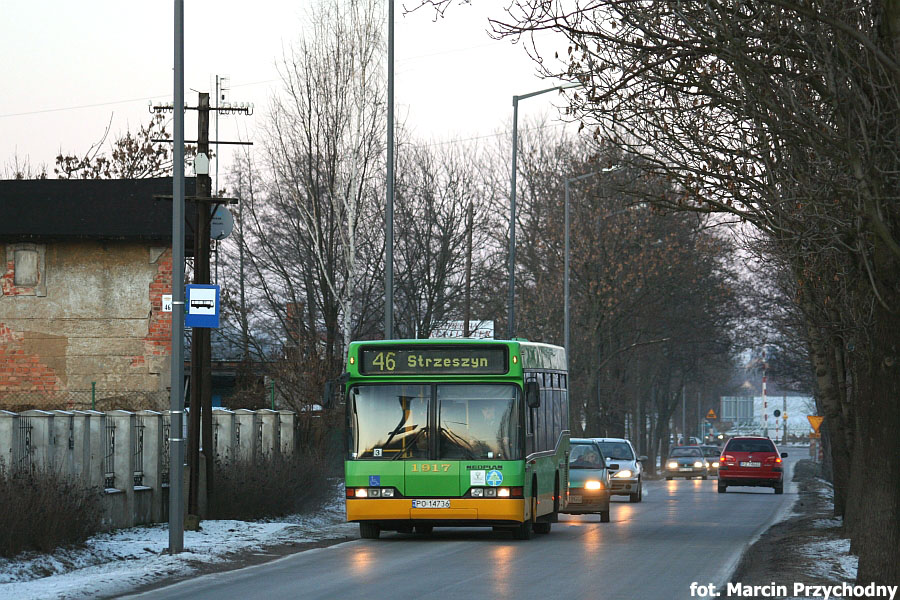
627, 478
687, 462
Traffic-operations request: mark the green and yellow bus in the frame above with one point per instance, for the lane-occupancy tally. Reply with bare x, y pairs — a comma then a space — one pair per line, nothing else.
456, 433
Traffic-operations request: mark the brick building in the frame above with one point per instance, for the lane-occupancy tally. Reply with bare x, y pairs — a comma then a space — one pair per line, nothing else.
86, 263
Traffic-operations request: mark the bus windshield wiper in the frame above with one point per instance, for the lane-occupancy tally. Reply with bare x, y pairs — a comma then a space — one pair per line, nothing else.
410, 444
460, 442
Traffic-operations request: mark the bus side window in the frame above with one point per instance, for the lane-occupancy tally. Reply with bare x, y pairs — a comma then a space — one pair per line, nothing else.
529, 431
557, 428
547, 416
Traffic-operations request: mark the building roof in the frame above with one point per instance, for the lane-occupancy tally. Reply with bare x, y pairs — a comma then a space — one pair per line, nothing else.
108, 209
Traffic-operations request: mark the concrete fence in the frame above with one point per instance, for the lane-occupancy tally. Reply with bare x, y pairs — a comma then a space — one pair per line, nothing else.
127, 453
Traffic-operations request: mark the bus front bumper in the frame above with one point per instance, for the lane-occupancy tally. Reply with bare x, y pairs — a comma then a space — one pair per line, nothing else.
461, 510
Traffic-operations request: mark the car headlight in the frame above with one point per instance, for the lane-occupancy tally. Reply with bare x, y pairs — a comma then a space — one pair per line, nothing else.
672, 465
624, 473
593, 485
716, 465
698, 464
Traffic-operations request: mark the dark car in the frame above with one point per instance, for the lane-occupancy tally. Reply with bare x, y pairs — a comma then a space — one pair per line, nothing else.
753, 461
711, 454
588, 479
687, 462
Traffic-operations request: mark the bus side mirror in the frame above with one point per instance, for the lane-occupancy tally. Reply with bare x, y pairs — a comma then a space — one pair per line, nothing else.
532, 394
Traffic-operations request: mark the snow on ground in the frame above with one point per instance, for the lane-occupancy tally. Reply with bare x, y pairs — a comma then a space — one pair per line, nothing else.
832, 559
113, 563
827, 523
827, 489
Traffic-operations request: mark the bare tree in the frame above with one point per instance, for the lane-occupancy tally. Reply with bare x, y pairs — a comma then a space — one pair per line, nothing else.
130, 156
783, 114
325, 142
435, 188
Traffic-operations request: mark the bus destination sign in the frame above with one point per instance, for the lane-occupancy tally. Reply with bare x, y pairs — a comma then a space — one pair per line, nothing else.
434, 360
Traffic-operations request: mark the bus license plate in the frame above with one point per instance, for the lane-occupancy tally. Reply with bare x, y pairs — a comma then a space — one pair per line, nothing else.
431, 504
575, 499
751, 464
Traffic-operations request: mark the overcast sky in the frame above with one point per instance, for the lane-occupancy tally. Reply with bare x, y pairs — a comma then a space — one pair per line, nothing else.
69, 67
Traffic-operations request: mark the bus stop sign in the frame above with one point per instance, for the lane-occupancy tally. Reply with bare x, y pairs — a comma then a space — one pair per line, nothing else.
201, 305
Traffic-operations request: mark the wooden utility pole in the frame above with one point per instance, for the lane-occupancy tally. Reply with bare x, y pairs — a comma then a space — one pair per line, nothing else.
201, 349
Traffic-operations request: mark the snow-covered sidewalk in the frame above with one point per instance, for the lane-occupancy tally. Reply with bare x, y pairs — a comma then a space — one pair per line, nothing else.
112, 564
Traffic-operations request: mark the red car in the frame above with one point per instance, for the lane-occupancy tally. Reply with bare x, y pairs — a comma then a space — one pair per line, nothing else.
751, 461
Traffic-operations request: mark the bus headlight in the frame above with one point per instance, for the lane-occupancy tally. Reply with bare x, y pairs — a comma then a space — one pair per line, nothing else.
362, 493
593, 484
503, 493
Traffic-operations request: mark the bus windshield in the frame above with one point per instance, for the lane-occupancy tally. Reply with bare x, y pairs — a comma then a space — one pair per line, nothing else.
478, 421
474, 421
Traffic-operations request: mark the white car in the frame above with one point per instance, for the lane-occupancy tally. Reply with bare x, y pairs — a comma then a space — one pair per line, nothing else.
627, 478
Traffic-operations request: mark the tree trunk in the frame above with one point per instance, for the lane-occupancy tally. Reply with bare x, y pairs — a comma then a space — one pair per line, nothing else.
878, 533
829, 399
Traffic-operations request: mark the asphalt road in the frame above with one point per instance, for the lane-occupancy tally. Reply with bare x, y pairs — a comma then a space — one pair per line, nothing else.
683, 532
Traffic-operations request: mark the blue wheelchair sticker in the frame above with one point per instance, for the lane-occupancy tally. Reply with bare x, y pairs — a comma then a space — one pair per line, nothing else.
374, 480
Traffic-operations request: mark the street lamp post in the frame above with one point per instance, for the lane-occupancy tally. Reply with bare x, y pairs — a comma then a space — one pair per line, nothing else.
176, 398
511, 324
389, 201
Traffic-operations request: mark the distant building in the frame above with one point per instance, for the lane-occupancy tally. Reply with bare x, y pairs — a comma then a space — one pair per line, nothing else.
747, 414
744, 412
456, 329
86, 265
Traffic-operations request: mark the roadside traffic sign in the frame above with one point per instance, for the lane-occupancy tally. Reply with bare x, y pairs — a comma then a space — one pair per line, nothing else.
815, 421
202, 305
711, 415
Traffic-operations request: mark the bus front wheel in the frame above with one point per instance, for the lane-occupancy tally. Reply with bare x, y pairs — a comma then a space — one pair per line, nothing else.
369, 530
525, 531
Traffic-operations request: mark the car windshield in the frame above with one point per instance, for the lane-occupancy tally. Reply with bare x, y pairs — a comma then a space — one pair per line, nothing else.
750, 446
416, 421
585, 456
710, 451
616, 450
682, 452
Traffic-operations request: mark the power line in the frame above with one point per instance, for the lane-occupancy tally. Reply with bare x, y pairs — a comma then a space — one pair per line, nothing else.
50, 110
488, 135
114, 102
